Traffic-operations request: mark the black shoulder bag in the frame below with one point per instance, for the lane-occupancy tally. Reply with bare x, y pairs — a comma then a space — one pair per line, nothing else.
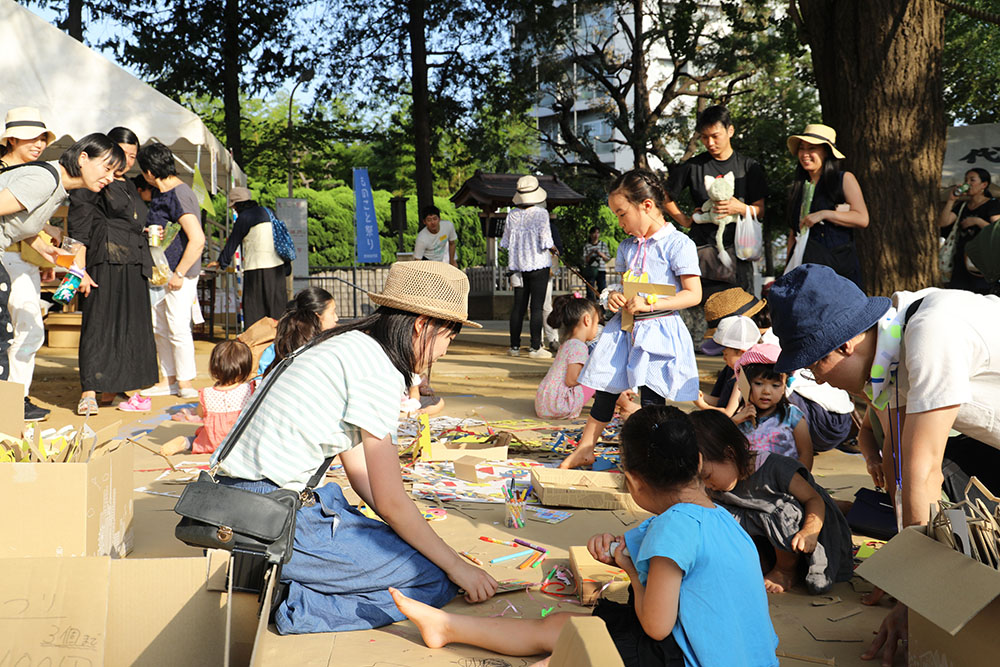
259, 527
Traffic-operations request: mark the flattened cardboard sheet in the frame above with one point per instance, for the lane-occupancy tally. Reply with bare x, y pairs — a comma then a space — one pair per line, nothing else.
584, 642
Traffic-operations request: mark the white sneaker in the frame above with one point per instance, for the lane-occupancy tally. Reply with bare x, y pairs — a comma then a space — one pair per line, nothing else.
514, 352
160, 390
540, 353
187, 392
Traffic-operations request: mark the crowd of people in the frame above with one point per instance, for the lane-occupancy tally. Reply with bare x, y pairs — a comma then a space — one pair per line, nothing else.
729, 485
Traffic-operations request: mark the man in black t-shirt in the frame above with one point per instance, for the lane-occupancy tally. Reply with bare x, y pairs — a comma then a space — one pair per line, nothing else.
715, 128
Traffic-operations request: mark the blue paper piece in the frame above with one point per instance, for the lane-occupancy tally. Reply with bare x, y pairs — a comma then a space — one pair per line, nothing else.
601, 463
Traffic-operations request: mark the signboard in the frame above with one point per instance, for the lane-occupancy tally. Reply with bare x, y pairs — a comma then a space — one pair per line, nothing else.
294, 212
368, 249
968, 147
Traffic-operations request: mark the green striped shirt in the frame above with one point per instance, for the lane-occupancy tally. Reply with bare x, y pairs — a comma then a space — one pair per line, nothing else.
316, 409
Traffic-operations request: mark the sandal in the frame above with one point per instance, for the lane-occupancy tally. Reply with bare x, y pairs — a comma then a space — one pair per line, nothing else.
87, 406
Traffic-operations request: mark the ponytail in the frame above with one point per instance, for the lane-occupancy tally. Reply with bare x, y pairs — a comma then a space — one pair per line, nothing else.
567, 311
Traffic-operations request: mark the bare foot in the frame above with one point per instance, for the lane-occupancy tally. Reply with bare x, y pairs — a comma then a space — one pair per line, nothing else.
432, 622
583, 455
778, 580
175, 446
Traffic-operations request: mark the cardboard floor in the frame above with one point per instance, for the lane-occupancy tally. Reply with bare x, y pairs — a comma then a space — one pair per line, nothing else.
477, 379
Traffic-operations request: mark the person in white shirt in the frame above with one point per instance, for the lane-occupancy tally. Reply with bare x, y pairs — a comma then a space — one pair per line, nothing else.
436, 241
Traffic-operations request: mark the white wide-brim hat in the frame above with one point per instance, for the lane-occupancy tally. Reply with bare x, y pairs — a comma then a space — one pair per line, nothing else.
529, 192
25, 123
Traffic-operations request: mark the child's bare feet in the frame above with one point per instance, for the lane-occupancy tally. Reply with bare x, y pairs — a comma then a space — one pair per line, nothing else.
626, 406
175, 446
432, 622
779, 580
581, 456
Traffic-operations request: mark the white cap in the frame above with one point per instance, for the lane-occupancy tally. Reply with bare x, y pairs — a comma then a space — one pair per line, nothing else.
737, 332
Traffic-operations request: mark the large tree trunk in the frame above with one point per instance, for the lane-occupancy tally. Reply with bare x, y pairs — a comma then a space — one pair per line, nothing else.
878, 70
73, 25
231, 78
640, 91
421, 105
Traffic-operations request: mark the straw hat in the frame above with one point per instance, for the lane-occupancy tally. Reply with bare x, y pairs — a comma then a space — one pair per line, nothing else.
816, 134
236, 195
25, 123
529, 192
427, 288
733, 301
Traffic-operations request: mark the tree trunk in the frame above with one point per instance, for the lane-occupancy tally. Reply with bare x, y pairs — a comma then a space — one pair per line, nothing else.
878, 70
640, 91
421, 105
231, 78
73, 25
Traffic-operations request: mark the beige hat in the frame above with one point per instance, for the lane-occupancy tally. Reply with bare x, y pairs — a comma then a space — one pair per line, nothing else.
236, 195
816, 134
25, 123
737, 332
733, 301
529, 192
427, 288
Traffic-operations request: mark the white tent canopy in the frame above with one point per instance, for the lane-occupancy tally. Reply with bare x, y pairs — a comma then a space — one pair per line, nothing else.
79, 91
968, 147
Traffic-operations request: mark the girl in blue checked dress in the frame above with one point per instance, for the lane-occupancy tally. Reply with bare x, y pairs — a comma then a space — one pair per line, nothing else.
696, 596
657, 355
340, 397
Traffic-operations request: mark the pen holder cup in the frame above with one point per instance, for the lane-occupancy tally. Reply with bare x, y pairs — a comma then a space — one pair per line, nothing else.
513, 515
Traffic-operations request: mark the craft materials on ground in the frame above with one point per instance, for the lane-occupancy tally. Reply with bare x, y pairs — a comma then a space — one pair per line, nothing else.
435, 514
594, 578
436, 481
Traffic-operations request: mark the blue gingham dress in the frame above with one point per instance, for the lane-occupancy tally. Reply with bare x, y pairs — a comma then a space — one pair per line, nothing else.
658, 353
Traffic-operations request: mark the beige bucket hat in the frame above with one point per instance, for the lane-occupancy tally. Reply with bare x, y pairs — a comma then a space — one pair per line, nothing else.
236, 195
434, 289
529, 192
25, 123
816, 134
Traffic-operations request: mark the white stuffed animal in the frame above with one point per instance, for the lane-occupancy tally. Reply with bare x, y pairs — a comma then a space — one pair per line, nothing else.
720, 188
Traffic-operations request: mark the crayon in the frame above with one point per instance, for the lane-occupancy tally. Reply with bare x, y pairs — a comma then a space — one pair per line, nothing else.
529, 561
470, 557
538, 562
518, 554
495, 541
530, 545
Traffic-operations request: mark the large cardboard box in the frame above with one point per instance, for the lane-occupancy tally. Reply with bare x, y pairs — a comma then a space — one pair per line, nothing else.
953, 600
584, 642
69, 509
582, 488
118, 613
595, 579
64, 329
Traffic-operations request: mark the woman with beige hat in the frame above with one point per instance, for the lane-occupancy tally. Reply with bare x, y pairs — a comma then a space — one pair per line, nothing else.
529, 244
339, 396
825, 202
24, 137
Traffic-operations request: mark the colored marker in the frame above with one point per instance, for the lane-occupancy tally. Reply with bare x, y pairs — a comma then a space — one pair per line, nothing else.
529, 560
519, 554
538, 562
495, 541
531, 546
470, 557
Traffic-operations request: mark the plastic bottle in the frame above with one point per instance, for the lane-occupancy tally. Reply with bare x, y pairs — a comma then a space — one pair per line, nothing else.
69, 285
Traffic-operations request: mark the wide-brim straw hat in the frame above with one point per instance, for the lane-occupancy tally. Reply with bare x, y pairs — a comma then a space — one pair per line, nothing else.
427, 288
733, 301
816, 134
529, 192
25, 123
236, 195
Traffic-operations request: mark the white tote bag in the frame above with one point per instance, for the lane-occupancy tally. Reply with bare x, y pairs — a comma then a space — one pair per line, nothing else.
749, 237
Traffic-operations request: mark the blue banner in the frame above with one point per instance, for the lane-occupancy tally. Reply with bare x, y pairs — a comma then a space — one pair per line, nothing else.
368, 249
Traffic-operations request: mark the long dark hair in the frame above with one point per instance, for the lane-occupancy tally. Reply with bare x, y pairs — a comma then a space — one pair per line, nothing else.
719, 439
393, 330
830, 183
658, 444
300, 322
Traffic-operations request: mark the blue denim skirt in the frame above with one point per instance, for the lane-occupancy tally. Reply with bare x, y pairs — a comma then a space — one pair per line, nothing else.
342, 566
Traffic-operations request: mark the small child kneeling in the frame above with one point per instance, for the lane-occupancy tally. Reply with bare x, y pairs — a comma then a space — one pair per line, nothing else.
219, 406
677, 562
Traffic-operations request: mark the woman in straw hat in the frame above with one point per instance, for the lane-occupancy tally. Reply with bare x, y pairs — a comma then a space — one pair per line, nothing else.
826, 202
340, 396
24, 137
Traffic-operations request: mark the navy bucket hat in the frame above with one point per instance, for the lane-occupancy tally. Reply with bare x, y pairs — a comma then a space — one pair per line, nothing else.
814, 311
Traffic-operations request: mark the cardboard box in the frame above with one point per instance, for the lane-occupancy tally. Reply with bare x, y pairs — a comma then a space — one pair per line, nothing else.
582, 488
595, 579
442, 450
584, 642
11, 408
69, 509
103, 611
953, 600
64, 329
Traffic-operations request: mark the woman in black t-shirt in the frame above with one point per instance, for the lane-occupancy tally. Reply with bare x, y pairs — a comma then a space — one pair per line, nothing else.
972, 211
832, 197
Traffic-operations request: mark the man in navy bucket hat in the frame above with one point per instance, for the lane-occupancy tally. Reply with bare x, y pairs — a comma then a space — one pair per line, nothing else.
926, 362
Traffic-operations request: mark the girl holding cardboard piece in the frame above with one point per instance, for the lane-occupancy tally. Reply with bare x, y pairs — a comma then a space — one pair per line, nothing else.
340, 397
657, 355
674, 562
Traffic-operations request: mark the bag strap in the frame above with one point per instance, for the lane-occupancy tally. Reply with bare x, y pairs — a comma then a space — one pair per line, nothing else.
37, 163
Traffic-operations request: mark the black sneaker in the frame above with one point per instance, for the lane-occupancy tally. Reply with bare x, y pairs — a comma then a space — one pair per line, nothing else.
34, 413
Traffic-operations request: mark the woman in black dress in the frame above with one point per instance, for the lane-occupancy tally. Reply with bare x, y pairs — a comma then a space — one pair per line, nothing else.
117, 351
972, 210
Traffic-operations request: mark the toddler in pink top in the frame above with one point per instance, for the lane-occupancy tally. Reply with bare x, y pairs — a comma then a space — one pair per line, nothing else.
219, 406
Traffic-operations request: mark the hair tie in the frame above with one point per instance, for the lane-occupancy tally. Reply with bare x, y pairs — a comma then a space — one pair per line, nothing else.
577, 295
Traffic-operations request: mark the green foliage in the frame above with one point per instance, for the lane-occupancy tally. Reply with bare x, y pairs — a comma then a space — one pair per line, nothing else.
574, 223
970, 67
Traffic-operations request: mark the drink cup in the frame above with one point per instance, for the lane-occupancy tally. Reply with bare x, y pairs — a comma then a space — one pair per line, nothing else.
155, 232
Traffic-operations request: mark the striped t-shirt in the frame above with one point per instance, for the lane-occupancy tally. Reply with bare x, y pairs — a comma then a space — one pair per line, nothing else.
315, 409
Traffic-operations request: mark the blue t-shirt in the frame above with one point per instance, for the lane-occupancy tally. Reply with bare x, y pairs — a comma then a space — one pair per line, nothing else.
774, 435
722, 614
266, 359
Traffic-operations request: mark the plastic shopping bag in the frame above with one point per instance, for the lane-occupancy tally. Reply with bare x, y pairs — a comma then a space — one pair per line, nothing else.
749, 237
161, 268
801, 240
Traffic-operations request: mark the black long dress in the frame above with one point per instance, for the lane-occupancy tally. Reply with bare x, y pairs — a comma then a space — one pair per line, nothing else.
117, 350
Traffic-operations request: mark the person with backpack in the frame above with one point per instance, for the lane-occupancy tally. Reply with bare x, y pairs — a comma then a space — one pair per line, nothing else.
29, 195
264, 270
